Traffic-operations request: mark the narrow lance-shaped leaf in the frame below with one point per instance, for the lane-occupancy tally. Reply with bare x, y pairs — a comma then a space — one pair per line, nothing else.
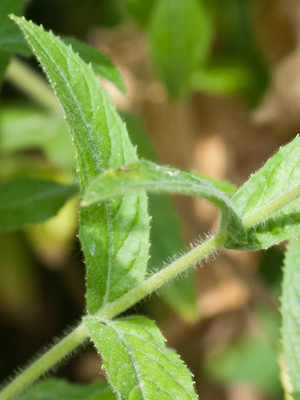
180, 33
114, 234
101, 63
269, 202
137, 362
160, 179
29, 201
290, 311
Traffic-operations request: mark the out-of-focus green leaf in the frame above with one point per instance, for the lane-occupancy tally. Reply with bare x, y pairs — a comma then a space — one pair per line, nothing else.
180, 34
28, 201
114, 234
223, 78
166, 241
270, 269
251, 360
137, 362
140, 10
11, 39
290, 311
24, 127
236, 38
101, 63
277, 182
59, 389
19, 285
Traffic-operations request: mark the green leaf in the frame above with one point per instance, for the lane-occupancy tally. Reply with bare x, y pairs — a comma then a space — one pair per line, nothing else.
114, 234
140, 10
59, 389
28, 201
250, 360
160, 179
11, 39
261, 200
137, 362
180, 34
166, 240
224, 77
290, 311
165, 235
24, 127
101, 63
237, 39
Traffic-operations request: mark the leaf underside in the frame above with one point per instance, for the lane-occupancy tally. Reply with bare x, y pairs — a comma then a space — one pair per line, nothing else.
161, 179
29, 201
137, 362
114, 234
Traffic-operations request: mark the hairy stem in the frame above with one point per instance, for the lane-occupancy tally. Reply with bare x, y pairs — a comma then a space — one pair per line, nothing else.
110, 310
153, 283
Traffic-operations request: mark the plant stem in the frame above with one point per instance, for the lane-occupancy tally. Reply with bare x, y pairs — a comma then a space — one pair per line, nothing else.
111, 310
32, 84
153, 283
79, 334
45, 362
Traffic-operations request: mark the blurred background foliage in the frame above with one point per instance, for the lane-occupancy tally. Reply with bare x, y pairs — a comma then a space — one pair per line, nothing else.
211, 87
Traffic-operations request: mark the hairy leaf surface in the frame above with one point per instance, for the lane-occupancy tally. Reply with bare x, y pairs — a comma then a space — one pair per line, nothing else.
263, 195
28, 201
101, 63
290, 312
137, 362
160, 179
114, 234
56, 389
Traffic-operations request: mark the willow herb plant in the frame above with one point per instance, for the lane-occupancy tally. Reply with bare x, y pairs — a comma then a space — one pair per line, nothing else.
114, 234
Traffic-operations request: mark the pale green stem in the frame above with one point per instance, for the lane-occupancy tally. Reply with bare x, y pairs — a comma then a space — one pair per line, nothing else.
71, 341
45, 362
271, 208
153, 283
111, 310
32, 84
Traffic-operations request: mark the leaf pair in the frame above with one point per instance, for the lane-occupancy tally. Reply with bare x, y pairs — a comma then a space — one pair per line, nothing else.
114, 231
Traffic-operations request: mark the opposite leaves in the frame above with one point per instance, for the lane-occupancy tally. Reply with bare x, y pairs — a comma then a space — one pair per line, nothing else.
137, 362
114, 234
